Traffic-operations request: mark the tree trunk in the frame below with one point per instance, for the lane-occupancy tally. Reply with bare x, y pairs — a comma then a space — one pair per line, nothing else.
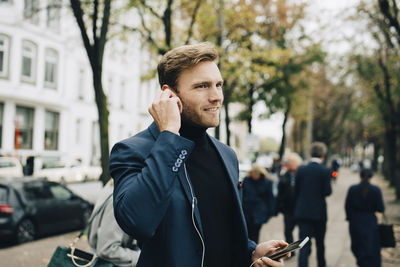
250, 117
283, 141
390, 155
227, 122
103, 113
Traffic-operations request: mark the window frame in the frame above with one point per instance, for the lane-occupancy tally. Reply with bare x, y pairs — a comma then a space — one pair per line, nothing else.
28, 129
54, 133
51, 58
6, 55
31, 11
34, 59
53, 23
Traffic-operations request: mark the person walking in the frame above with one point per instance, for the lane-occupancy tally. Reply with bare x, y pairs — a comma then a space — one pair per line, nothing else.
285, 201
176, 187
258, 200
106, 238
362, 201
312, 186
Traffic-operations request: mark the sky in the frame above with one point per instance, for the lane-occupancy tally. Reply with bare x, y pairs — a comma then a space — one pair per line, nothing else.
321, 12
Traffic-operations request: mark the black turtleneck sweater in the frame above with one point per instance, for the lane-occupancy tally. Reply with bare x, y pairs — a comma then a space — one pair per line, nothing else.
214, 195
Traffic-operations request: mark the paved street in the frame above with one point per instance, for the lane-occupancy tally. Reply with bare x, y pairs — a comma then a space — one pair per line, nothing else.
337, 241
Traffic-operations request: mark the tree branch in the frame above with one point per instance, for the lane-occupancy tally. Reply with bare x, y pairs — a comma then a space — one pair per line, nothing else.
193, 19
94, 22
168, 23
393, 20
104, 28
148, 36
78, 14
152, 11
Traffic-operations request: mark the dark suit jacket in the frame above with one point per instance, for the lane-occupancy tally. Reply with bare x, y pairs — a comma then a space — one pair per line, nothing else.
258, 200
285, 201
154, 201
313, 185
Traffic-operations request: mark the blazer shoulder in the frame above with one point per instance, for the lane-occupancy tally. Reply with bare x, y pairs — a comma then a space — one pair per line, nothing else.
137, 142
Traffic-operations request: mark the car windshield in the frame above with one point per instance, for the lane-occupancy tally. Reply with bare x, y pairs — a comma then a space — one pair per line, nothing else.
53, 165
37, 192
6, 164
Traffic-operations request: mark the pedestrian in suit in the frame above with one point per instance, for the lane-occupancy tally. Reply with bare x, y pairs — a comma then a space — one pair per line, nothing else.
258, 200
176, 187
285, 201
313, 185
362, 201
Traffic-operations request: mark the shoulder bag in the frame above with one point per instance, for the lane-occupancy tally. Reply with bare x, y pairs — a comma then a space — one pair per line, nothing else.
73, 257
386, 234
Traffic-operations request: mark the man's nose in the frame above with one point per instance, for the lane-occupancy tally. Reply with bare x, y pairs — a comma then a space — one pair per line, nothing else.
216, 94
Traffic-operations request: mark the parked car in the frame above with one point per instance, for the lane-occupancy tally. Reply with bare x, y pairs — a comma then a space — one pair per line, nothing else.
68, 172
10, 167
31, 208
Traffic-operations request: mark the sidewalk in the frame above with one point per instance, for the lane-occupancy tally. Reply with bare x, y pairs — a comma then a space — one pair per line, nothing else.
337, 239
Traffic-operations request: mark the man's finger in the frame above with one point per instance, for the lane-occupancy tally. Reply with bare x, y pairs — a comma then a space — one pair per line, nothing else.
165, 94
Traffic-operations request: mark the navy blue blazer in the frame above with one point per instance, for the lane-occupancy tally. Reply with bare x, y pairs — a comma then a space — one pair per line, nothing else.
258, 200
155, 203
312, 186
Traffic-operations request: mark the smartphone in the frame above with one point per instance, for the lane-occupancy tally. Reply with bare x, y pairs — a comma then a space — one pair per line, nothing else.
291, 247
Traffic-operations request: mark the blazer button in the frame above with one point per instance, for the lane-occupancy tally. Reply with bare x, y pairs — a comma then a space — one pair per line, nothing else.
177, 164
184, 152
179, 161
181, 156
174, 169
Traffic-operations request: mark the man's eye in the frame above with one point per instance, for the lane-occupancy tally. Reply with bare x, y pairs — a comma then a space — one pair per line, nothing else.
219, 85
201, 86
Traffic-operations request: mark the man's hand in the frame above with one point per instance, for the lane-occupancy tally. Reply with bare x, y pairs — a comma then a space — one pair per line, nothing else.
166, 111
268, 247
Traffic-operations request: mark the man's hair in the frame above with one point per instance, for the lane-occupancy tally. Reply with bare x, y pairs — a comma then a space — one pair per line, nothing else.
318, 150
181, 58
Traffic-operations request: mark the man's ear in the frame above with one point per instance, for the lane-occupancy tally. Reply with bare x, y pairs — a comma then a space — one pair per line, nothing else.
166, 86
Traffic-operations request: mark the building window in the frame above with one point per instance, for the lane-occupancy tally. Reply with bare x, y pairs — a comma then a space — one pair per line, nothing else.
51, 130
1, 121
81, 85
31, 11
4, 55
53, 14
51, 66
29, 59
23, 128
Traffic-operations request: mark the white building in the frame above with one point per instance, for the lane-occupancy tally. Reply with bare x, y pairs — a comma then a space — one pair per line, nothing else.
47, 107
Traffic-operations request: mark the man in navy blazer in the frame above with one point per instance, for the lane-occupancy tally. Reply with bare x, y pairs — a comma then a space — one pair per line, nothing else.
312, 186
176, 188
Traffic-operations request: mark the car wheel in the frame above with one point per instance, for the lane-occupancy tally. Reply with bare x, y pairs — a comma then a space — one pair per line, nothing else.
86, 216
25, 231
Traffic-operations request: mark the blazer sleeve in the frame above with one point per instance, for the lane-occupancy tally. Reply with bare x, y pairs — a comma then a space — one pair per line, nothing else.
327, 183
145, 172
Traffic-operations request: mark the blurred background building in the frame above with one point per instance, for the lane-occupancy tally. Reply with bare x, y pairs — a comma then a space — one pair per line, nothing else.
47, 108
